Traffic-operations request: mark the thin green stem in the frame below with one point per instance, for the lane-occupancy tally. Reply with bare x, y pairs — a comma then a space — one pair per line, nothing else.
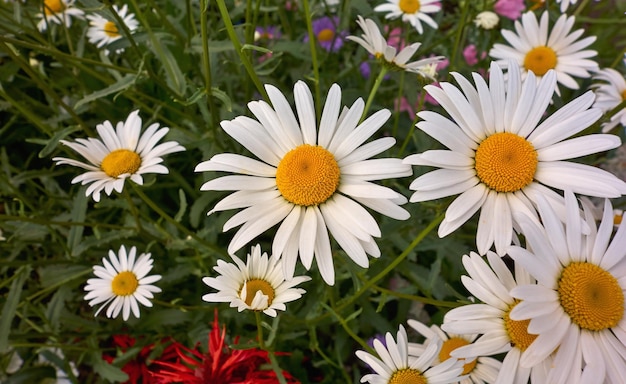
580, 7
206, 59
313, 48
370, 98
276, 368
259, 330
413, 124
460, 28
348, 330
421, 299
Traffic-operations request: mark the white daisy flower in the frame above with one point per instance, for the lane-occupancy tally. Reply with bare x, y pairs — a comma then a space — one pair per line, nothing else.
374, 42
565, 4
121, 153
491, 283
577, 305
396, 366
476, 370
58, 12
501, 158
122, 282
609, 94
310, 180
103, 32
411, 11
532, 49
257, 285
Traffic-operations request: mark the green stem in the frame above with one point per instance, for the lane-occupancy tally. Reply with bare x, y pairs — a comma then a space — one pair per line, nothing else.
421, 299
270, 354
582, 6
413, 124
313, 48
370, 98
459, 34
276, 368
206, 59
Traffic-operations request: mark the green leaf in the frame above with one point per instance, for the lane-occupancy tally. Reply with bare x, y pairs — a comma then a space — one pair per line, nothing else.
54, 140
121, 85
10, 306
183, 205
251, 47
223, 97
107, 371
78, 213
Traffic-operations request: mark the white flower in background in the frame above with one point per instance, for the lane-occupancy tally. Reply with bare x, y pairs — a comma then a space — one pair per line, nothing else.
51, 356
566, 3
411, 11
487, 20
103, 32
58, 12
610, 92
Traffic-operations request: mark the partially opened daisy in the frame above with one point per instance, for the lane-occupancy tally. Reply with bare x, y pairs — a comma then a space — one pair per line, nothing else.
610, 92
394, 364
58, 12
500, 157
376, 44
533, 49
411, 11
103, 32
577, 304
122, 282
313, 180
258, 285
121, 153
490, 283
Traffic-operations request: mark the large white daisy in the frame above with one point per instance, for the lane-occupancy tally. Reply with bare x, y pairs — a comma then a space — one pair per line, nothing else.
394, 364
119, 154
501, 158
310, 180
411, 11
610, 92
258, 285
577, 305
103, 32
376, 44
58, 12
121, 283
533, 50
491, 283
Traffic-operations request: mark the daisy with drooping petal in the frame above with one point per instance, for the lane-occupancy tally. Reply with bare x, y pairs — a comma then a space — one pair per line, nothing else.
311, 180
103, 32
58, 12
394, 364
120, 154
480, 369
577, 305
122, 282
609, 94
533, 50
374, 42
257, 285
491, 283
501, 157
411, 11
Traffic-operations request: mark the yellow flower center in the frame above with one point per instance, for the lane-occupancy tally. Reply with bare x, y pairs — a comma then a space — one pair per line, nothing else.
506, 162
110, 29
52, 7
124, 284
624, 95
407, 376
617, 218
409, 6
119, 162
452, 344
591, 296
307, 175
518, 331
255, 285
540, 60
326, 35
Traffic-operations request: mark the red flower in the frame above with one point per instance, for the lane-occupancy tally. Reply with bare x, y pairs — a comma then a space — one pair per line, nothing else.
221, 365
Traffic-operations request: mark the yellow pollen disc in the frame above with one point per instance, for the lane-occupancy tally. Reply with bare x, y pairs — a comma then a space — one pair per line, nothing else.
591, 296
409, 6
110, 29
540, 60
307, 175
407, 376
325, 35
255, 285
506, 162
624, 94
52, 7
124, 284
452, 344
119, 162
517, 330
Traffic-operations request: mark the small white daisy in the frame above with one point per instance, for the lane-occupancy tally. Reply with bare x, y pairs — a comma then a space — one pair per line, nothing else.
609, 94
257, 285
491, 283
532, 49
396, 366
411, 11
501, 158
577, 305
374, 42
58, 12
103, 32
312, 181
122, 282
121, 153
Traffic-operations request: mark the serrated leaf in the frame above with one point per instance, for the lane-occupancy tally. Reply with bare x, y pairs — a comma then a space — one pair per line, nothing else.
119, 86
223, 97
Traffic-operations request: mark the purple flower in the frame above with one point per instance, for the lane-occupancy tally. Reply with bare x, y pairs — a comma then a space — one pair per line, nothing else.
511, 9
325, 30
268, 33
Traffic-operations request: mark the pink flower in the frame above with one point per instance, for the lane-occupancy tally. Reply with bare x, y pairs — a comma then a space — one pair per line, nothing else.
470, 53
511, 9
